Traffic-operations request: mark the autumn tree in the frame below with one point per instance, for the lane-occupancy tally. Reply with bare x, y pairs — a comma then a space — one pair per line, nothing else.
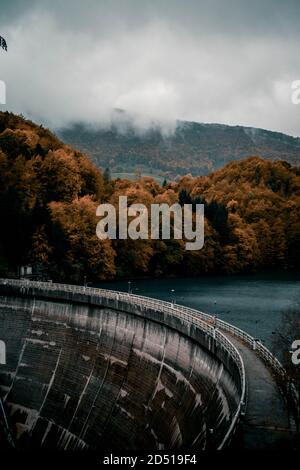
77, 247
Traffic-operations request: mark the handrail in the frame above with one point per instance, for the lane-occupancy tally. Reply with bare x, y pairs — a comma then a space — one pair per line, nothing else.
149, 301
202, 320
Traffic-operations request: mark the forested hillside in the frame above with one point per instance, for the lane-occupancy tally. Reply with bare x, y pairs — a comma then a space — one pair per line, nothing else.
49, 193
193, 147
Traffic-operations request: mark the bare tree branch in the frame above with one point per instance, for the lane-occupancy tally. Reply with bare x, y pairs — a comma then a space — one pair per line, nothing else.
3, 43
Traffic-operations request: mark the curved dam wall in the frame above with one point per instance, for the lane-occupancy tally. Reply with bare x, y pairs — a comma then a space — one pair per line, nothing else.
94, 371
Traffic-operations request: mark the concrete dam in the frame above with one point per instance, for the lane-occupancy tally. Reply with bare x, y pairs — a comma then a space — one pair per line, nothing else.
85, 368
93, 369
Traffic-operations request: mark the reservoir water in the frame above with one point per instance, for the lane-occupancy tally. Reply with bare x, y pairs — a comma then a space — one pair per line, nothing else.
253, 302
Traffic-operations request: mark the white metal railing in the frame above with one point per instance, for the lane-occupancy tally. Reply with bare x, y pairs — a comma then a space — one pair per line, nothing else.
205, 322
264, 352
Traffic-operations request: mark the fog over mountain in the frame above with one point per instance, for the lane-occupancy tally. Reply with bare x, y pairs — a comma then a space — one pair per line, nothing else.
208, 61
189, 147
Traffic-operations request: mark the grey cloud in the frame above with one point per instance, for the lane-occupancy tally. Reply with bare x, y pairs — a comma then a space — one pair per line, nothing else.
215, 61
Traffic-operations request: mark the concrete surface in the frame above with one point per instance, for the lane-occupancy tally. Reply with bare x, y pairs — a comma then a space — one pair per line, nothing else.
85, 376
267, 424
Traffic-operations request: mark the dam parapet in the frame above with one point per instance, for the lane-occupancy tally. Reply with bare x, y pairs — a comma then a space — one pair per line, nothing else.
179, 344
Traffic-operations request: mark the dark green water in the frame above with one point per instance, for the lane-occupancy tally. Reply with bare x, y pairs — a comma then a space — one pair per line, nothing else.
253, 303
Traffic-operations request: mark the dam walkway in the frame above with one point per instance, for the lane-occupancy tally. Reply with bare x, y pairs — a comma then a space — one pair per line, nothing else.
267, 423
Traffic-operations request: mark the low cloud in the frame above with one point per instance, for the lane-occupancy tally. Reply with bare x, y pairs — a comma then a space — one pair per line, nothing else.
80, 62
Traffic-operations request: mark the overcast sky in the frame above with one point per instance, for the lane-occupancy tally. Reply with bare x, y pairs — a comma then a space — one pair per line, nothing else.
224, 61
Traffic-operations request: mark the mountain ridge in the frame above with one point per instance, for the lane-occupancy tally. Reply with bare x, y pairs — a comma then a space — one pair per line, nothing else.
49, 194
196, 148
